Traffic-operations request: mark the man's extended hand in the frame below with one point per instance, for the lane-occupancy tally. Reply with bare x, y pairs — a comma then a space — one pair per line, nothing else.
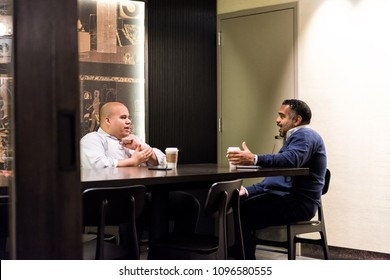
243, 157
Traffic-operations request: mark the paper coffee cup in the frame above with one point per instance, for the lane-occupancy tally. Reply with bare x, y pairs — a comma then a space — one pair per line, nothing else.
231, 149
172, 155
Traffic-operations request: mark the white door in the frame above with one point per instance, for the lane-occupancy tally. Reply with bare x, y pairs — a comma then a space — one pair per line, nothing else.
256, 72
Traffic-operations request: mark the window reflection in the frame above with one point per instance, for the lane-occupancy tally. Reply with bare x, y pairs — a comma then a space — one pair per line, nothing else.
6, 89
111, 54
6, 122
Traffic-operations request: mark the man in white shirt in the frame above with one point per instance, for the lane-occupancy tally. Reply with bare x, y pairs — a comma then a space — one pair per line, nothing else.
113, 145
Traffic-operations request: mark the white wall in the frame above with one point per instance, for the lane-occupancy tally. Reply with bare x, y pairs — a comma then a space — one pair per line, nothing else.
344, 75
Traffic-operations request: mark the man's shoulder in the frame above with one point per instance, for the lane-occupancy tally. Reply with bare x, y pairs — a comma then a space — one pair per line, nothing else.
308, 130
308, 133
94, 135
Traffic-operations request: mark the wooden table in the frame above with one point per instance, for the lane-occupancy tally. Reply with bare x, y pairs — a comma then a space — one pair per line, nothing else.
185, 173
185, 177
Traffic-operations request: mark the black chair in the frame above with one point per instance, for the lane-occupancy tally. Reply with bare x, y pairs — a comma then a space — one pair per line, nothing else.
112, 206
222, 200
294, 229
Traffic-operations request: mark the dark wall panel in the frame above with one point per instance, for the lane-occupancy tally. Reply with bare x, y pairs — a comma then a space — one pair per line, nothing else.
182, 89
46, 221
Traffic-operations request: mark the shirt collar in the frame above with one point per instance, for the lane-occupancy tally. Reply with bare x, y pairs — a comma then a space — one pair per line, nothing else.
101, 131
292, 130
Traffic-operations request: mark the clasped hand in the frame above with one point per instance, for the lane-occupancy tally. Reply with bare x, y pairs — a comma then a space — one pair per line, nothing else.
130, 142
142, 153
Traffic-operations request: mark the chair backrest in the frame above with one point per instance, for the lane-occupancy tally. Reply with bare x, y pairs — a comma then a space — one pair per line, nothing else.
114, 206
327, 181
119, 204
324, 191
212, 203
222, 199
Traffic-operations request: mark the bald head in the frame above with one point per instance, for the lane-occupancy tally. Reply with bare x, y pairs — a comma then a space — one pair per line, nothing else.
115, 119
106, 110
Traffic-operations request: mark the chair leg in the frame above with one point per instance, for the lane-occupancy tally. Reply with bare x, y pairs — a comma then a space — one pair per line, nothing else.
100, 239
239, 253
291, 250
222, 252
325, 245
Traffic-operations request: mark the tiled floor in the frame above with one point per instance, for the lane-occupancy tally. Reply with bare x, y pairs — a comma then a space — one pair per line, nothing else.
269, 254
261, 254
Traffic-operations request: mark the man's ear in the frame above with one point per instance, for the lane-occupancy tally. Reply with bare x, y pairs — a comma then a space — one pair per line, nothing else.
298, 120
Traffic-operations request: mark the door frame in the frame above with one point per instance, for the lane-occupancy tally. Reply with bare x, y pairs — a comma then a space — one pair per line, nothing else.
242, 13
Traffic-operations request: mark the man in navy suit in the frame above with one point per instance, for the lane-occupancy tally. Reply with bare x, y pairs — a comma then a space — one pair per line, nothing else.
280, 200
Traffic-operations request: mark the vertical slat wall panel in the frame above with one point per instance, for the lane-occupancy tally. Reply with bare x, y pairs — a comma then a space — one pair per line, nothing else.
182, 88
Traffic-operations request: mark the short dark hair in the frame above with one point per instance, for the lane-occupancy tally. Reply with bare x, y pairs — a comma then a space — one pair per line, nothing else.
300, 108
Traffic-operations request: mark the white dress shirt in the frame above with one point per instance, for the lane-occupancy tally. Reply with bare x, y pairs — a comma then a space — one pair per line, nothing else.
98, 149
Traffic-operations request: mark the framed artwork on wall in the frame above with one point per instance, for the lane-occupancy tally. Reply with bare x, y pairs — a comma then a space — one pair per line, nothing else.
112, 60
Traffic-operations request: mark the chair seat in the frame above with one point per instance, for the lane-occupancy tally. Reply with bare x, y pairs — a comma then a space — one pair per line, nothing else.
88, 237
91, 236
111, 251
310, 223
